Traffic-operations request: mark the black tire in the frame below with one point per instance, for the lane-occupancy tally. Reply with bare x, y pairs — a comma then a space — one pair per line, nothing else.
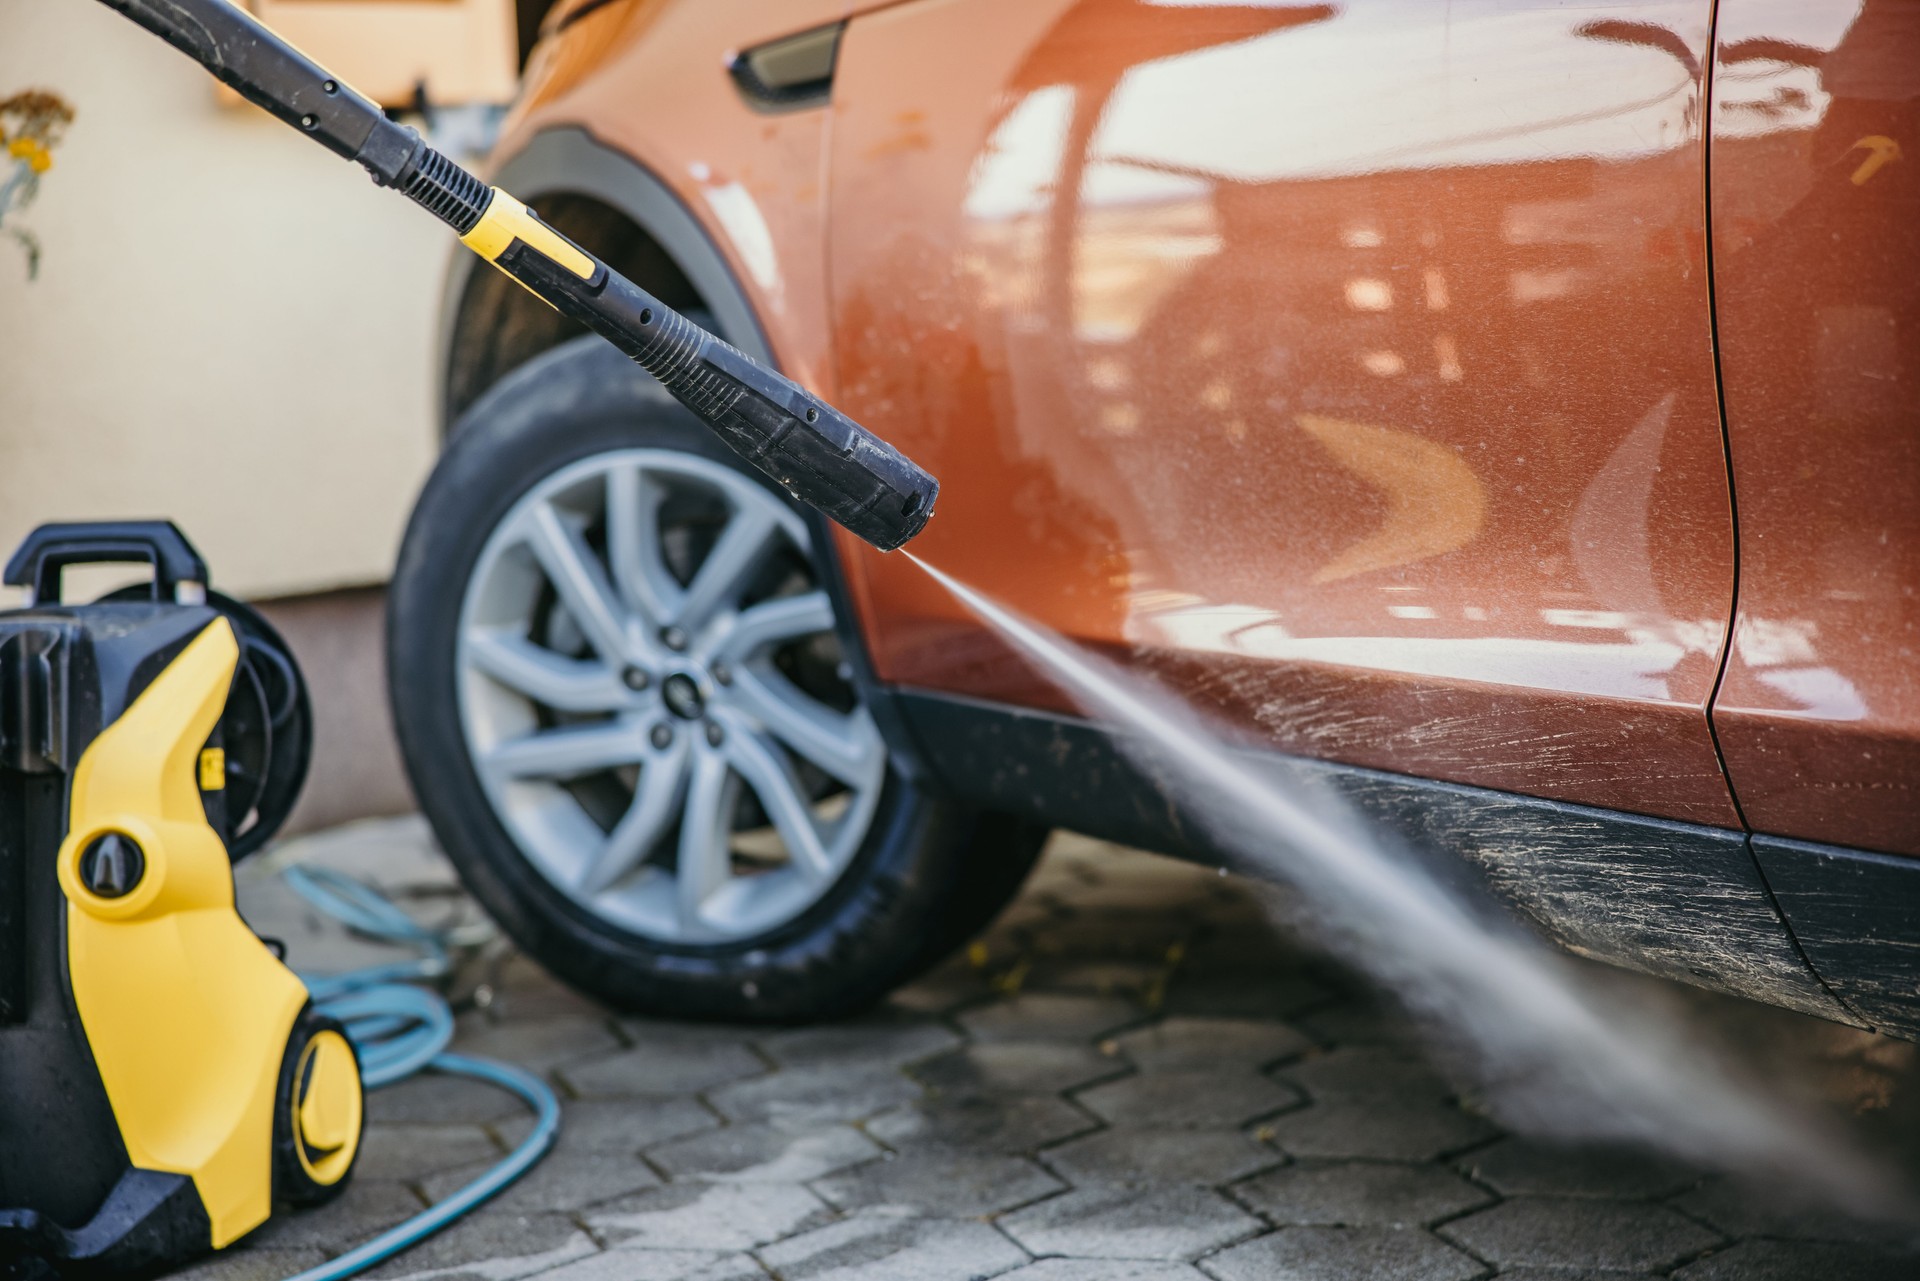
295, 1181
928, 874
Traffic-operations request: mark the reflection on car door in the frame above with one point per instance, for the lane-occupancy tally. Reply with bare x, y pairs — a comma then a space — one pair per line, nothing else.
1349, 364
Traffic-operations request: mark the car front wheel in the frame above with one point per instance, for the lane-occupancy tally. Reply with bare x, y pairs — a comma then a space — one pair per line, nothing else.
619, 687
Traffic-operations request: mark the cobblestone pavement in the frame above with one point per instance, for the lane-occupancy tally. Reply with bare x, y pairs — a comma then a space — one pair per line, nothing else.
1131, 1077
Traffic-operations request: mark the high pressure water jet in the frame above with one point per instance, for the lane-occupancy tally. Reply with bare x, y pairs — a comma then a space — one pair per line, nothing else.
1557, 1053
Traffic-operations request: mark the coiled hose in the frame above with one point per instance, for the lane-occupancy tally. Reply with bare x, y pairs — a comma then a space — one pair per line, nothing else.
400, 1028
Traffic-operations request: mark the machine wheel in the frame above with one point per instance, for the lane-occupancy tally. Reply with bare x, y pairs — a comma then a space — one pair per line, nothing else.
318, 1114
621, 697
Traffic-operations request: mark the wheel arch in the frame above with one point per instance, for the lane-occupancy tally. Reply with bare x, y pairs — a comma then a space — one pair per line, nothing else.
615, 206
618, 209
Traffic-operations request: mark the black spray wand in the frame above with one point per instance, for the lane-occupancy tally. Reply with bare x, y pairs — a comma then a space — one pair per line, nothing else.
817, 453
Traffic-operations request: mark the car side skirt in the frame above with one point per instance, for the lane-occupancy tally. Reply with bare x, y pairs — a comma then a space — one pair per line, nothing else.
1857, 916
1675, 900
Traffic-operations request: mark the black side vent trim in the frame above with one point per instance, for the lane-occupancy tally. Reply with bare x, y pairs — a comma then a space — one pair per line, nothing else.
791, 73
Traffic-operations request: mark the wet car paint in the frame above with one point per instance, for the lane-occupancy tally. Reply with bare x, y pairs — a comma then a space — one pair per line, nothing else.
1454, 508
1349, 364
1816, 198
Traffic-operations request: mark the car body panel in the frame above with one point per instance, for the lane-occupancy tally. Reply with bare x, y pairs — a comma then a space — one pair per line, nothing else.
648, 78
1363, 383
1816, 200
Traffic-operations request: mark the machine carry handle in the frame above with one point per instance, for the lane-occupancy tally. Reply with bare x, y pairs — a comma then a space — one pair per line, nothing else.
179, 574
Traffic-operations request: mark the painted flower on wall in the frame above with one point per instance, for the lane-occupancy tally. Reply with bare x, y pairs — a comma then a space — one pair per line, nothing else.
32, 123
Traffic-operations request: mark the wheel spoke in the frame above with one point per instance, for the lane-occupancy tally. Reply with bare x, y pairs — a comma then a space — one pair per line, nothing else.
566, 684
784, 618
724, 574
845, 746
576, 576
772, 780
568, 752
706, 827
633, 547
655, 802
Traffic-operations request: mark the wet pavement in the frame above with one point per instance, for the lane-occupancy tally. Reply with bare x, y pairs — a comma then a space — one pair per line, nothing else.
1133, 1076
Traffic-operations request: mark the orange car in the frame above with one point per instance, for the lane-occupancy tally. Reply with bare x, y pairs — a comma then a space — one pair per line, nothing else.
1506, 409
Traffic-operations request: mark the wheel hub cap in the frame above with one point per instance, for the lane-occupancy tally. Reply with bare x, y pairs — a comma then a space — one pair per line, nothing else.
623, 595
682, 695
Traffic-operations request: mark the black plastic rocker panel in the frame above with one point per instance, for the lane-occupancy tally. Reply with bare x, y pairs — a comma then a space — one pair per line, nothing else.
1675, 900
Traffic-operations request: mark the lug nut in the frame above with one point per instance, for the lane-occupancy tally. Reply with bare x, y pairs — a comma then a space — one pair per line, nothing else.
636, 679
674, 638
715, 735
662, 736
722, 674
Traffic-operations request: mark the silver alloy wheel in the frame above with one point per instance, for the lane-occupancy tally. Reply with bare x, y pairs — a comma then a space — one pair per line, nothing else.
652, 697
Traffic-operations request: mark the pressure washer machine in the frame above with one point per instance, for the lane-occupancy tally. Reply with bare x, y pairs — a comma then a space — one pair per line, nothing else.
164, 1081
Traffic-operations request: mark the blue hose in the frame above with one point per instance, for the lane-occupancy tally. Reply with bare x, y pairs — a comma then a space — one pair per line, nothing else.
400, 1029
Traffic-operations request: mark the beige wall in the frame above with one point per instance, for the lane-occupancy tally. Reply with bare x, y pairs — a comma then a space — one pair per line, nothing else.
232, 327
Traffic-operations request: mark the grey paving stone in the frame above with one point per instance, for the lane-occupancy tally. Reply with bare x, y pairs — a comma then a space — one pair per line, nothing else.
394, 853
1156, 936
1382, 1130
432, 1099
1105, 1270
1359, 1194
879, 1247
415, 1151
1130, 1223
491, 1247
1042, 1016
1144, 1156
1356, 1023
618, 1125
660, 1265
765, 1152
1017, 1067
572, 1177
815, 1095
939, 1181
537, 1045
365, 1209
1801, 1261
1185, 1043
1367, 1073
1188, 1100
1574, 1274
707, 1216
1132, 980
1344, 1254
1564, 1232
953, 983
662, 1067
242, 1264
1742, 1209
984, 1123
1524, 1167
1243, 995
1239, 937
884, 1038
525, 992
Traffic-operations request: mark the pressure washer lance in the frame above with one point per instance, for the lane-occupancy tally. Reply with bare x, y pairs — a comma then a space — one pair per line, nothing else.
818, 454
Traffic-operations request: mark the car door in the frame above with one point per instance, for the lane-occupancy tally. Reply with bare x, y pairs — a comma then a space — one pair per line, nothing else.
1350, 365
1816, 198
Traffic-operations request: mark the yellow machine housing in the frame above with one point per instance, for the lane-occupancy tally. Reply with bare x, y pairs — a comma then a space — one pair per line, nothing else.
196, 1086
